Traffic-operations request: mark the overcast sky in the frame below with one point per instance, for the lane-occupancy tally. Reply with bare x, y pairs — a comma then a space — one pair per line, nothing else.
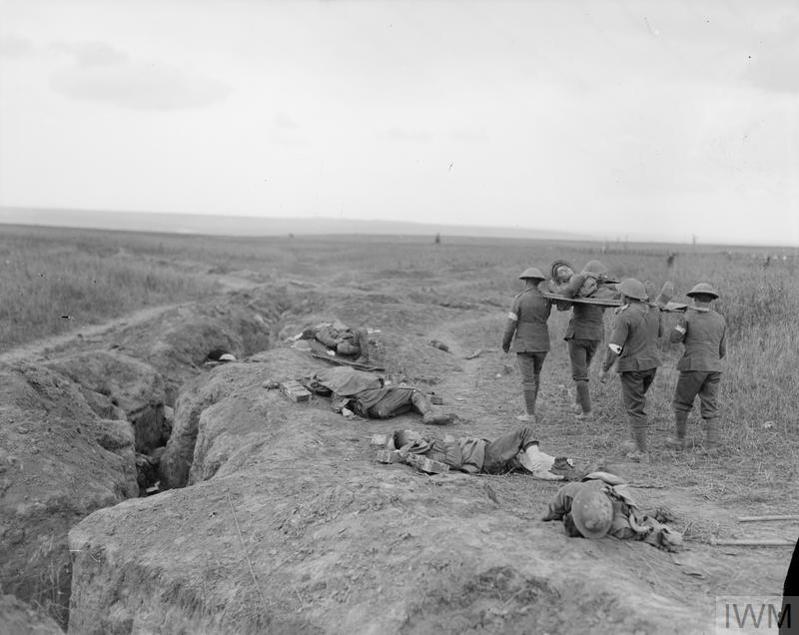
663, 118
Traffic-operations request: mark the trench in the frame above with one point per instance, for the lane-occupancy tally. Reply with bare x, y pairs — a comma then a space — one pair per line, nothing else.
253, 328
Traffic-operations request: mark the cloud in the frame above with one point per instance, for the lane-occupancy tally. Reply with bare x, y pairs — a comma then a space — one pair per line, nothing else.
88, 54
777, 70
16, 46
101, 73
285, 122
411, 135
468, 136
774, 63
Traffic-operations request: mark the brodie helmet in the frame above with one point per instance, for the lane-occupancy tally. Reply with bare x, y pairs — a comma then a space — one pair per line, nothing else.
592, 512
703, 288
531, 273
633, 288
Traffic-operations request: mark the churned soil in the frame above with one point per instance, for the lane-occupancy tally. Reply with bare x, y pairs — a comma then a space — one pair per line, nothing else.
289, 524
279, 518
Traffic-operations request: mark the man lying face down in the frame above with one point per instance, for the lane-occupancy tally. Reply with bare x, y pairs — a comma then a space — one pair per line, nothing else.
600, 505
366, 395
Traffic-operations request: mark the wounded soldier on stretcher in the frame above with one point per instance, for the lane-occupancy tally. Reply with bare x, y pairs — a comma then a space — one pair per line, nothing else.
592, 282
513, 452
595, 282
366, 395
600, 505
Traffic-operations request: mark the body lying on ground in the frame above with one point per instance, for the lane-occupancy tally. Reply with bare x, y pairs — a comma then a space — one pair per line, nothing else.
367, 395
341, 339
600, 505
515, 451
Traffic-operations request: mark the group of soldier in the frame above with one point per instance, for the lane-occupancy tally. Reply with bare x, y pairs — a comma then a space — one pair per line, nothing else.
631, 345
598, 504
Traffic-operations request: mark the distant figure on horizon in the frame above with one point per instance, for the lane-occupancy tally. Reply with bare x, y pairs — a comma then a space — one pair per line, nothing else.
670, 259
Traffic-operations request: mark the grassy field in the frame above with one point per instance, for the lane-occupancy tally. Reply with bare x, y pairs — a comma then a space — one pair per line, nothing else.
56, 280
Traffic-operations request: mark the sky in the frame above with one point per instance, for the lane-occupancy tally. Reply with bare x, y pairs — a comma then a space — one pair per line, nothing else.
642, 119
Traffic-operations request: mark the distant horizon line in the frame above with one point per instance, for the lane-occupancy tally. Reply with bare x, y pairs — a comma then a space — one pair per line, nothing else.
10, 214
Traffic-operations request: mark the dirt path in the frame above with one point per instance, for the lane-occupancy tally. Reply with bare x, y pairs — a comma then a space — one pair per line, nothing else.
484, 391
97, 333
42, 348
461, 387
487, 390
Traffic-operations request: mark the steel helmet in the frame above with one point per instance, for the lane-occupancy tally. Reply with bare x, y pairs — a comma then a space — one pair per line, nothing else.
595, 267
592, 512
703, 288
531, 273
633, 288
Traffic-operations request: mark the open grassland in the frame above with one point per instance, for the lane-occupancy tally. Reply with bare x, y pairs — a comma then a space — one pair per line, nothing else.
91, 276
57, 280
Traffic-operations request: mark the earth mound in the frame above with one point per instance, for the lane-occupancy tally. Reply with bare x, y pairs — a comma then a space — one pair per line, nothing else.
18, 618
290, 525
84, 427
59, 461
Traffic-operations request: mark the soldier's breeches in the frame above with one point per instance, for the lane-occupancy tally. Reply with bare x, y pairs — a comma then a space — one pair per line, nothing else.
347, 347
634, 385
530, 365
697, 382
397, 401
581, 352
501, 451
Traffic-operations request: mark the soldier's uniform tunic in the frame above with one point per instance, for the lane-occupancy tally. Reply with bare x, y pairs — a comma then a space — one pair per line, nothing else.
473, 454
587, 325
636, 329
527, 329
703, 334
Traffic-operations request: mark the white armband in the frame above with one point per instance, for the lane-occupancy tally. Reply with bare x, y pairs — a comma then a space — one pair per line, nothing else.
513, 316
615, 348
680, 329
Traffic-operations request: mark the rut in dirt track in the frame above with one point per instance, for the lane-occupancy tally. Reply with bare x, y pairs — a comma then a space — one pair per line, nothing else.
97, 333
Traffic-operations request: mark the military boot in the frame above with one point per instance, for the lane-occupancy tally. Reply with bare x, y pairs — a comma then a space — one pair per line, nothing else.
576, 408
530, 397
425, 408
711, 443
529, 405
677, 442
639, 453
583, 400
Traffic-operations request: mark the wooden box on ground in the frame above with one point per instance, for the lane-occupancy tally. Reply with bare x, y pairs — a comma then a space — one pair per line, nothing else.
427, 465
379, 440
294, 390
389, 456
